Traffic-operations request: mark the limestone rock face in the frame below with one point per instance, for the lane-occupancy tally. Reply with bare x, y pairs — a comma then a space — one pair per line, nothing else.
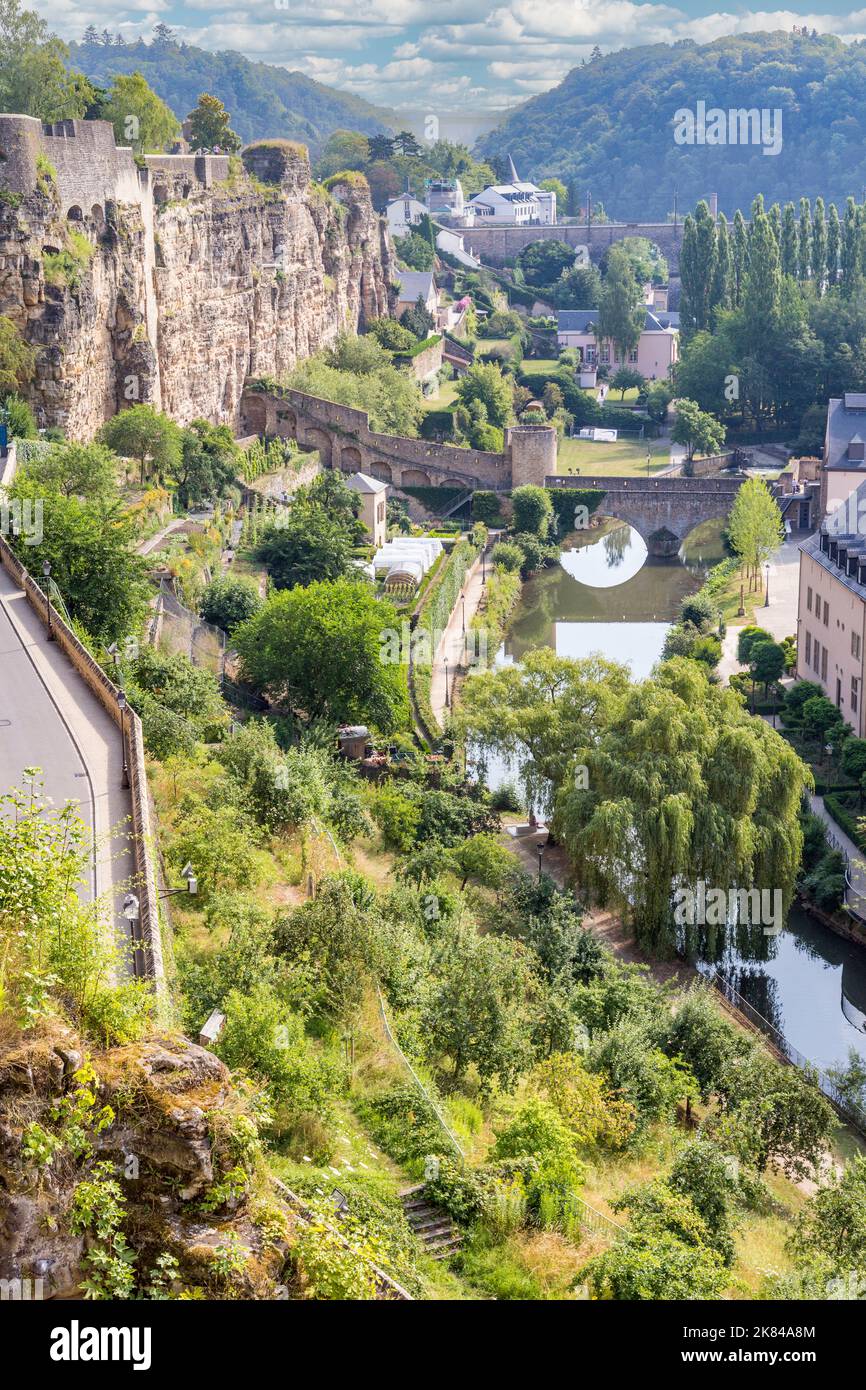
178, 298
171, 1101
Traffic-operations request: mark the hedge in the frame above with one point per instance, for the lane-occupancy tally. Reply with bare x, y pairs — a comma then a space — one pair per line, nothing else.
433, 615
485, 506
436, 423
434, 497
845, 818
565, 500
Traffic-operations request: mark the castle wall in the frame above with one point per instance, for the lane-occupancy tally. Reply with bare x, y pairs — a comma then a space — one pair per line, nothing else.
197, 276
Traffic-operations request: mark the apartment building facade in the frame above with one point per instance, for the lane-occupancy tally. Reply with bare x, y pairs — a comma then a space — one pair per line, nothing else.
831, 613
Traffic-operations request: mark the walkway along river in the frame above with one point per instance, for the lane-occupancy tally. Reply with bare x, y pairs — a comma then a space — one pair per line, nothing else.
607, 596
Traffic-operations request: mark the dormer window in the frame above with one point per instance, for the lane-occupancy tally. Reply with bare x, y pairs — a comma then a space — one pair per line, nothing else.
857, 449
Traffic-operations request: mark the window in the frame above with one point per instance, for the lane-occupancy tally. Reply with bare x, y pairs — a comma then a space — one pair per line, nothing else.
855, 645
826, 614
809, 598
824, 664
855, 691
604, 355
632, 356
816, 657
808, 647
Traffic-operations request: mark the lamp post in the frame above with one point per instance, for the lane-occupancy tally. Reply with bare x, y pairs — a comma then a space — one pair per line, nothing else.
191, 886
767, 586
121, 705
463, 610
484, 565
46, 571
540, 856
447, 701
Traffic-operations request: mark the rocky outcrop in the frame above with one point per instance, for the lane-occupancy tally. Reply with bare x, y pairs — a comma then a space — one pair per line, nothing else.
176, 294
173, 1134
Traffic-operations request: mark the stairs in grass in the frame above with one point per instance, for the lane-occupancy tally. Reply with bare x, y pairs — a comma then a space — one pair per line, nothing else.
432, 1226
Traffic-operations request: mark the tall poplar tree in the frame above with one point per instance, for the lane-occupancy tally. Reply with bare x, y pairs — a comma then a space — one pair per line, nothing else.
804, 240
819, 247
740, 251
788, 244
721, 293
697, 269
834, 241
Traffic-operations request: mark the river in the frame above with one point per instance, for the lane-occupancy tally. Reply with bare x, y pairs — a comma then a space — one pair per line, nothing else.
606, 595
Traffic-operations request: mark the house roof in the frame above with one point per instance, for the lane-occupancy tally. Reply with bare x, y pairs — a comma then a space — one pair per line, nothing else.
415, 282
846, 417
362, 482
845, 524
584, 321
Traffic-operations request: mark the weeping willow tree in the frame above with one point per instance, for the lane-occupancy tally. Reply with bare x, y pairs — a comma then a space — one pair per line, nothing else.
537, 714
684, 788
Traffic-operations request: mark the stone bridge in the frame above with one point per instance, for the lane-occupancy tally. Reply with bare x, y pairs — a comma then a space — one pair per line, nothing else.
662, 510
495, 245
344, 440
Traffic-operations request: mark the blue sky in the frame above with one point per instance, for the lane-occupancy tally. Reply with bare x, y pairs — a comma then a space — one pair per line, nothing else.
469, 55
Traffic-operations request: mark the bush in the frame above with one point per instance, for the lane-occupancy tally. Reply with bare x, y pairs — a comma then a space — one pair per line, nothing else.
485, 507
533, 510
228, 601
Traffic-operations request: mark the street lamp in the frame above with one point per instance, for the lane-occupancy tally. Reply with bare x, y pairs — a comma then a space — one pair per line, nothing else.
484, 565
46, 570
767, 586
540, 850
463, 603
121, 705
447, 701
191, 884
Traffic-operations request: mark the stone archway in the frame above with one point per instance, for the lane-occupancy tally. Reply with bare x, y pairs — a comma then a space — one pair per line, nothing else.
98, 216
320, 440
382, 471
350, 459
287, 422
74, 214
255, 415
415, 477
453, 482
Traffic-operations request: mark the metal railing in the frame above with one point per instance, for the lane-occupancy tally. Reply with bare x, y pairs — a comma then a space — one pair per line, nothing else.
849, 1109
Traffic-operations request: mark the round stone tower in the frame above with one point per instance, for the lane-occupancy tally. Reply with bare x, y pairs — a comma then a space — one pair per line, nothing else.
532, 450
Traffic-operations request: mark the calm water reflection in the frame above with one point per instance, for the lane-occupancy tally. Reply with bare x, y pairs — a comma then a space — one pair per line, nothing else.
607, 596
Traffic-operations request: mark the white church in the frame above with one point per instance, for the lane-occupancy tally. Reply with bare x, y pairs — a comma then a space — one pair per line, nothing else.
515, 204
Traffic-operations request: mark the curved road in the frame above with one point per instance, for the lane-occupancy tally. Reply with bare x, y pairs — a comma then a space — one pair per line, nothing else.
49, 719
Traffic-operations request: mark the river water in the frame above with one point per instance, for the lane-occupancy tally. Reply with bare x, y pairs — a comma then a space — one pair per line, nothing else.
606, 595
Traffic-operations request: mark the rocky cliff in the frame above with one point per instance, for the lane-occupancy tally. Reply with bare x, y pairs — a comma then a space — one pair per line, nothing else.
163, 1121
184, 283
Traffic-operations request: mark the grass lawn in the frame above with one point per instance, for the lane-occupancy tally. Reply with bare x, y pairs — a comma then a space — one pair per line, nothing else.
533, 366
625, 458
444, 397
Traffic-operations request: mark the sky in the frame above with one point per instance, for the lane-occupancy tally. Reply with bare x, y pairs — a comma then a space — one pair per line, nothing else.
462, 55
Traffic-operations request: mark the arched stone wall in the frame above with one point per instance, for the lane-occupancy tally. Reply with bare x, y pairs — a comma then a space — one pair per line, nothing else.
319, 439
255, 419
350, 459
415, 477
287, 421
382, 471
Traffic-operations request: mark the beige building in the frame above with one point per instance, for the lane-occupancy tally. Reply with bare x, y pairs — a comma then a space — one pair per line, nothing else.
844, 449
374, 506
831, 613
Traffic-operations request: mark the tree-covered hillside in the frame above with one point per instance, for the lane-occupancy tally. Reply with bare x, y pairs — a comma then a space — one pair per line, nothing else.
263, 100
608, 126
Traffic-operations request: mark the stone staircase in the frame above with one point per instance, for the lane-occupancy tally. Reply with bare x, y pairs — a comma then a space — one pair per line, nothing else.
432, 1226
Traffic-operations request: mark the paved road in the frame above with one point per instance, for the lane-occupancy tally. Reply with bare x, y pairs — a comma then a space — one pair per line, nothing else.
49, 719
780, 618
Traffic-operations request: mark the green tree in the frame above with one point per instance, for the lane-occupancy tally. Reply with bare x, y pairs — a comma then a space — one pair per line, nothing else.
697, 270
228, 601
774, 1115
34, 78
788, 243
699, 431
620, 313
755, 527
831, 1227
319, 650
209, 126
625, 378
543, 262
142, 433
208, 463
533, 510
483, 858
75, 470
662, 803
484, 382
140, 118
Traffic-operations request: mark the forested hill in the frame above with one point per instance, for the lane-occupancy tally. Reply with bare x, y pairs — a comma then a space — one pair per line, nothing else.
608, 126
263, 100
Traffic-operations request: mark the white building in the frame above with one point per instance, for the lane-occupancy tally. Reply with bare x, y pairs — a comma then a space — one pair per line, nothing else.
403, 214
374, 505
516, 204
